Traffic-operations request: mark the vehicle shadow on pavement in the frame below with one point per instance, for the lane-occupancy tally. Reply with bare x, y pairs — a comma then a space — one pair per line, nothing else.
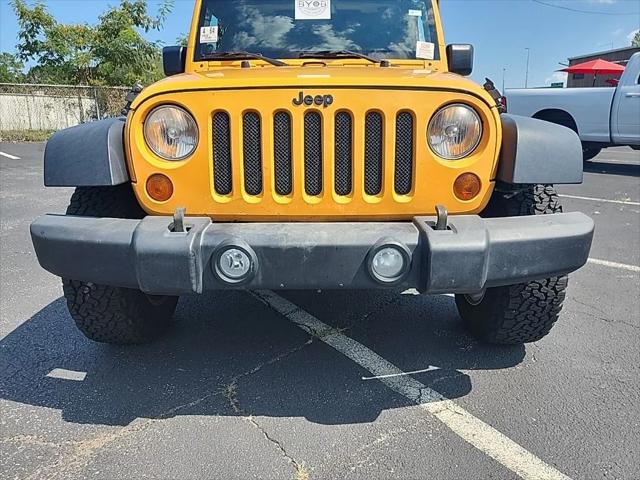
623, 169
228, 354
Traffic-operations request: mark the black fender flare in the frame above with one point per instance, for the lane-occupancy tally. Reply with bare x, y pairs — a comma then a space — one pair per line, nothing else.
87, 155
534, 151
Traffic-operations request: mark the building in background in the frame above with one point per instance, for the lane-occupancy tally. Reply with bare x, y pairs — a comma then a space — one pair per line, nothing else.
619, 55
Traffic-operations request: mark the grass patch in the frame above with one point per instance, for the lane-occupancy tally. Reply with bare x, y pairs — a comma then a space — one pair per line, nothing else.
302, 472
13, 136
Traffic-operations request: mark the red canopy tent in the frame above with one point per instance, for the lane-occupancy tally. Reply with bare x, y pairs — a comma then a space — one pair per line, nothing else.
595, 67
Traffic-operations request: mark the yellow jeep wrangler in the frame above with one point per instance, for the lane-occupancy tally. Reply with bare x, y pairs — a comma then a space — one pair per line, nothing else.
314, 144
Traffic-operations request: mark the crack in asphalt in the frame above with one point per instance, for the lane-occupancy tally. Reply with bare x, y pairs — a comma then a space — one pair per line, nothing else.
230, 392
605, 319
70, 464
81, 452
385, 438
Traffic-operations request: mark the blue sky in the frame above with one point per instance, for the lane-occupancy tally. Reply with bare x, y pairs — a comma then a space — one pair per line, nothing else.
500, 30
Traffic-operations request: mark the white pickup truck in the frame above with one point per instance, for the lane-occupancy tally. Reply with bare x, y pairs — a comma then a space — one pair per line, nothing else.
602, 117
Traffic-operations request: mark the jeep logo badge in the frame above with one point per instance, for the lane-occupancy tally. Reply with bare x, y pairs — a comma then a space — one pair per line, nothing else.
308, 100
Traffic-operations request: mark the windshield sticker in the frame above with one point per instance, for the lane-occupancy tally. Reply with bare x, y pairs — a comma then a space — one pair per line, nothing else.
209, 34
313, 9
425, 50
415, 13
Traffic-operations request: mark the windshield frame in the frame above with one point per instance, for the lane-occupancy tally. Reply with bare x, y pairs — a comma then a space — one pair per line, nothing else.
197, 60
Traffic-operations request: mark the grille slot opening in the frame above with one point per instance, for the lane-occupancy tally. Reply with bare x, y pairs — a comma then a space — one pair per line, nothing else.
404, 153
252, 153
373, 153
282, 159
343, 154
313, 153
222, 172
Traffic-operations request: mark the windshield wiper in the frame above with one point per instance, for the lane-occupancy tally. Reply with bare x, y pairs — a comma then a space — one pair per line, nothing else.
336, 54
243, 56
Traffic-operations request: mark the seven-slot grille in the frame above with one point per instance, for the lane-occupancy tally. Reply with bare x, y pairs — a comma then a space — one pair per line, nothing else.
283, 157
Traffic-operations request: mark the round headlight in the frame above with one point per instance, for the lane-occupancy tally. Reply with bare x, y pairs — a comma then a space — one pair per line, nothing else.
455, 131
171, 133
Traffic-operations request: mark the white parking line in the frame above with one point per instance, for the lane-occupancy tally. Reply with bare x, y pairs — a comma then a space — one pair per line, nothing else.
10, 157
64, 374
602, 200
621, 266
471, 429
403, 374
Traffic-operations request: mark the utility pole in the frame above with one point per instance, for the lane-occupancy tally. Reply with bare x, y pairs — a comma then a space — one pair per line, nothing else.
504, 71
526, 78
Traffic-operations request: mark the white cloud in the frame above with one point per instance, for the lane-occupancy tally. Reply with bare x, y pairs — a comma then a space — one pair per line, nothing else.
556, 77
632, 35
270, 31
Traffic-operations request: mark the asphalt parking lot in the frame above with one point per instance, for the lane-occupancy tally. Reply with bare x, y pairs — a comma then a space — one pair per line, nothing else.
239, 390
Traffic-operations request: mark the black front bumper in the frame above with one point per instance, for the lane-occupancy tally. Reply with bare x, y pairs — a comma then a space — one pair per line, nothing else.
472, 254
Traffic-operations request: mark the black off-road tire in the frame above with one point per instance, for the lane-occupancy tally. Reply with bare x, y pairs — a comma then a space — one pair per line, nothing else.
109, 314
526, 312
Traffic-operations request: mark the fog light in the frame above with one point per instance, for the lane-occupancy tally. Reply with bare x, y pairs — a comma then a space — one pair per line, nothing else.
235, 263
389, 262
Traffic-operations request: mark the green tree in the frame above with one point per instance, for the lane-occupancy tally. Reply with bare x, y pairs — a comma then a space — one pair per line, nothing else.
112, 52
635, 41
182, 40
11, 69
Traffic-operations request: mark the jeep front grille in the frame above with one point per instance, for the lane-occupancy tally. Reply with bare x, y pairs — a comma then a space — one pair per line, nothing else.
373, 154
404, 153
252, 153
313, 154
283, 158
343, 182
222, 171
282, 155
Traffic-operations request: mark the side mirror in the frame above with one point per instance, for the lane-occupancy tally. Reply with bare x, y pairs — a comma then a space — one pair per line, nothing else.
174, 60
460, 59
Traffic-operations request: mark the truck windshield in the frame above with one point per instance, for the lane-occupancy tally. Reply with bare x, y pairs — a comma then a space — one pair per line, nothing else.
395, 29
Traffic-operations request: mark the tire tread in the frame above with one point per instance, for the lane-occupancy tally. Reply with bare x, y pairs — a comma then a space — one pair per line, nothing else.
525, 312
105, 313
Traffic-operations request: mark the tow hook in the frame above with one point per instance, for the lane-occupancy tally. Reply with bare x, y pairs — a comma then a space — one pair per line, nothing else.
443, 218
178, 220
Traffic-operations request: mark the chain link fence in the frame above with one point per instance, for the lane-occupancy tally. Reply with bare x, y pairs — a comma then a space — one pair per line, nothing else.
29, 107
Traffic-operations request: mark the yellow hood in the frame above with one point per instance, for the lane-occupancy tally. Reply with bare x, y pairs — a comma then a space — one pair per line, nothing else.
409, 77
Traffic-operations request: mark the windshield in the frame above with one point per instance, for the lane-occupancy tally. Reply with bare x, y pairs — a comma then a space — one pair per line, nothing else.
396, 29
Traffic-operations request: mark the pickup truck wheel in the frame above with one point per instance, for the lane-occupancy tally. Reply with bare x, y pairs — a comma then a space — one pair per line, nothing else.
109, 314
522, 313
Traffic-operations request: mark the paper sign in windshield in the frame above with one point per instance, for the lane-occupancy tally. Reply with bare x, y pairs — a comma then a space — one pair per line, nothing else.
313, 9
209, 34
425, 50
415, 13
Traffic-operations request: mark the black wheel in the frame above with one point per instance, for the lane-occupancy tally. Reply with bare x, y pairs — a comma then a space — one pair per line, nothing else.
109, 314
522, 313
589, 153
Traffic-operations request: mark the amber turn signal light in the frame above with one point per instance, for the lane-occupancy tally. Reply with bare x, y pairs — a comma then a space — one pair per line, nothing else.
467, 186
159, 187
